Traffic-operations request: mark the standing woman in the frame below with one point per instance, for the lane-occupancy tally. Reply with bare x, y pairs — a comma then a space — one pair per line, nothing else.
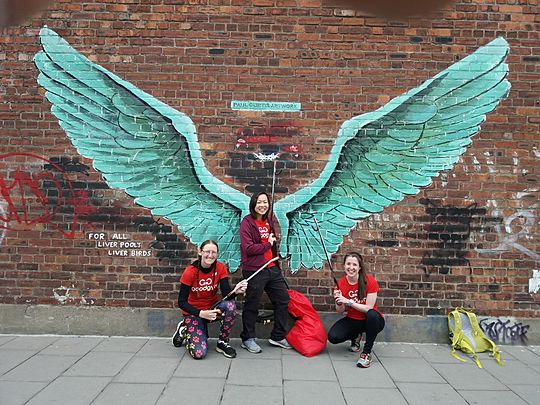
198, 293
362, 314
258, 246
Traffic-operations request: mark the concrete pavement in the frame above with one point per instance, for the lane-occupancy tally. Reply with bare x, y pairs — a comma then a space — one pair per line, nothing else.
84, 370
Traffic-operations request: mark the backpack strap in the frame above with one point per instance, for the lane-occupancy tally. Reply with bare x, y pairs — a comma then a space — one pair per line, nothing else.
479, 333
456, 331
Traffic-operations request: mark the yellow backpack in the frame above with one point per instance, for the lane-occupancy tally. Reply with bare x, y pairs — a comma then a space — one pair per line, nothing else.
467, 336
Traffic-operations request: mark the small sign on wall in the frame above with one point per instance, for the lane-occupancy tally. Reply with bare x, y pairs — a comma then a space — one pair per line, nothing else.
265, 106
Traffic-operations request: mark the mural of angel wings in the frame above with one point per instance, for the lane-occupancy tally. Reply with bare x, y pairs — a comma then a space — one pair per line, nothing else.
151, 151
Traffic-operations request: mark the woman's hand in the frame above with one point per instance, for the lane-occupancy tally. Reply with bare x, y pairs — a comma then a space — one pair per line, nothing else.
337, 294
241, 287
272, 239
209, 314
341, 300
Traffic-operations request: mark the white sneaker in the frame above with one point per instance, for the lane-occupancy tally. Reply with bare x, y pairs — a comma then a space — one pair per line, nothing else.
280, 343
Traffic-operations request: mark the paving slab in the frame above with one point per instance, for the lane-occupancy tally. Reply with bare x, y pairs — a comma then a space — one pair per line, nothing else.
130, 394
466, 376
529, 393
161, 348
151, 370
268, 351
18, 392
523, 354
70, 390
429, 394
373, 377
513, 372
215, 365
10, 359
4, 339
121, 344
436, 353
99, 364
148, 371
410, 370
389, 396
312, 393
257, 372
492, 398
250, 395
207, 391
341, 352
35, 343
40, 368
402, 350
318, 368
72, 346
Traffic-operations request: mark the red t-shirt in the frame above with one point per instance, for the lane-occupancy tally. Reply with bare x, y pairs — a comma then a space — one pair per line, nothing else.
264, 230
204, 286
350, 291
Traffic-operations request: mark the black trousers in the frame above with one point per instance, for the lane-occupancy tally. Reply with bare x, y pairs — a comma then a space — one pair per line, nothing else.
347, 328
270, 280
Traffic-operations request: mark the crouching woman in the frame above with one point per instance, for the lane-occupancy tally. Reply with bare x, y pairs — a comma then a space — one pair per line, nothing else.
197, 298
362, 314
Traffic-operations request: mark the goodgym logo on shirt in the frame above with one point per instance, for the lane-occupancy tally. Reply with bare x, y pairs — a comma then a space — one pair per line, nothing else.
264, 231
205, 285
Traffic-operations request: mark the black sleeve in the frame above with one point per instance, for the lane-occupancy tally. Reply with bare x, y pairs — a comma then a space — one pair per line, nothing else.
183, 300
225, 288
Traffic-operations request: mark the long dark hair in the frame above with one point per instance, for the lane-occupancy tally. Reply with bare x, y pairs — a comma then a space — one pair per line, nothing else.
362, 282
253, 203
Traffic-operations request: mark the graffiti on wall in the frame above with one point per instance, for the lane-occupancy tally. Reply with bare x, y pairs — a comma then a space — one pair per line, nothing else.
534, 282
449, 229
151, 150
39, 193
518, 227
505, 331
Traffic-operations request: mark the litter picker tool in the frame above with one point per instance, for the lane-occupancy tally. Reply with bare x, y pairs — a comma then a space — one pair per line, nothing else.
316, 227
247, 279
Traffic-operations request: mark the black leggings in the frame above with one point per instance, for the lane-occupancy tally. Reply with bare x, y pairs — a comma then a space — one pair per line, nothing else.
349, 328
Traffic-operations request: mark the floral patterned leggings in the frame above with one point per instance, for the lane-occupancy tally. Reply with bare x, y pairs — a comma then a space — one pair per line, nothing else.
196, 337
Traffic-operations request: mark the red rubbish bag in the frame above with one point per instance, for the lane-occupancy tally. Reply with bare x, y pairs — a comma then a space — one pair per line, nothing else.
307, 336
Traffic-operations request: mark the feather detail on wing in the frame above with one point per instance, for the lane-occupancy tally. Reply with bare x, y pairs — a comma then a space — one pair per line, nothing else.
140, 145
382, 156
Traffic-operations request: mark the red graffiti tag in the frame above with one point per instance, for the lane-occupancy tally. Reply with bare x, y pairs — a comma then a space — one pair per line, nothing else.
275, 133
25, 200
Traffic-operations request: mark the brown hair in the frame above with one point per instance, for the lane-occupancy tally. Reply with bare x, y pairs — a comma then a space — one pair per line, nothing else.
362, 282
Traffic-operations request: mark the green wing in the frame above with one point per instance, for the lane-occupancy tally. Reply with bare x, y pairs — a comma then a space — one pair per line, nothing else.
140, 145
382, 156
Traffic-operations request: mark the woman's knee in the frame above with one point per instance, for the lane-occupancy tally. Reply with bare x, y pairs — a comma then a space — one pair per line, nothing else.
373, 317
198, 354
334, 337
227, 306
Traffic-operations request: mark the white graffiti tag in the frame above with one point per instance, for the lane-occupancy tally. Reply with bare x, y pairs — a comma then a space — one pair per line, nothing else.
510, 239
534, 282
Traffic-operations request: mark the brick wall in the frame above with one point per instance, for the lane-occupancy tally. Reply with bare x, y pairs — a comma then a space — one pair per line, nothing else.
470, 239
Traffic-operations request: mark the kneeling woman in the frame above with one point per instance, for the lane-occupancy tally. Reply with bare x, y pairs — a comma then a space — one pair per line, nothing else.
198, 293
362, 314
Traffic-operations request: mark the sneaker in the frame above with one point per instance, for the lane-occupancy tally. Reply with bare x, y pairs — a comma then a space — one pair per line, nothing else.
355, 345
364, 361
179, 335
226, 349
251, 346
280, 343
